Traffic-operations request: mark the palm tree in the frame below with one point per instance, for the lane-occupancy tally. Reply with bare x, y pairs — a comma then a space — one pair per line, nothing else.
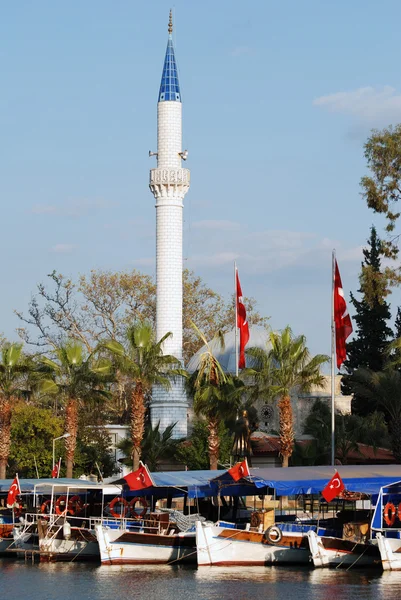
216, 394
15, 368
144, 362
277, 371
155, 447
384, 389
79, 378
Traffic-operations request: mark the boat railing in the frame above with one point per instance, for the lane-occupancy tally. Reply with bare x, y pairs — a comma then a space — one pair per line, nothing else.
152, 523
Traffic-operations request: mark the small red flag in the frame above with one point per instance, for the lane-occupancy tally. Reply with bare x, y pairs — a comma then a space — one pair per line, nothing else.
56, 470
342, 320
13, 492
139, 479
239, 470
242, 323
334, 487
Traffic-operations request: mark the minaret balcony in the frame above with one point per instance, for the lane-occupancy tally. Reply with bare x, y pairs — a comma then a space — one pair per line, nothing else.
167, 182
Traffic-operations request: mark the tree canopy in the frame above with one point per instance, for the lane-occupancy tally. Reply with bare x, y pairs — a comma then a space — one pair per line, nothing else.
102, 304
372, 335
382, 193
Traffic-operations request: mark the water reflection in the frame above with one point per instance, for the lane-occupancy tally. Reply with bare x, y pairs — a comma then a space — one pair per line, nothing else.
69, 581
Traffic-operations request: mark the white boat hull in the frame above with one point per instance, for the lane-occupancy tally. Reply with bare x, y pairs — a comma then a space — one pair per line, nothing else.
222, 546
337, 552
390, 552
125, 547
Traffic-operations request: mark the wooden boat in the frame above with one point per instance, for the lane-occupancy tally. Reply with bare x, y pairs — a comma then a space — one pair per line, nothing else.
226, 545
6, 536
154, 540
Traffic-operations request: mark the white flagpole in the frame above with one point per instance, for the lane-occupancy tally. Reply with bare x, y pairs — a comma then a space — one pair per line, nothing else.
333, 353
236, 319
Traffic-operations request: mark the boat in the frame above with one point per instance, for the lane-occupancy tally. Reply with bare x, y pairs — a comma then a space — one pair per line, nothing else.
59, 525
226, 545
386, 526
156, 538
6, 534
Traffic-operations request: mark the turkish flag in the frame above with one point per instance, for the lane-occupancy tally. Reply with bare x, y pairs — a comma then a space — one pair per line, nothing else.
342, 320
139, 479
333, 488
242, 323
56, 470
13, 492
239, 470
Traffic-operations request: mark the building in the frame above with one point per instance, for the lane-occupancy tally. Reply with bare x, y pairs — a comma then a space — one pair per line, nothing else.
169, 182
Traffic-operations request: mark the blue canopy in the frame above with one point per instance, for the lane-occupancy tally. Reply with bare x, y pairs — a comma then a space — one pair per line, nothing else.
290, 481
201, 484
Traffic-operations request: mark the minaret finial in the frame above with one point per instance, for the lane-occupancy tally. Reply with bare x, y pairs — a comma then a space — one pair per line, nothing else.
170, 23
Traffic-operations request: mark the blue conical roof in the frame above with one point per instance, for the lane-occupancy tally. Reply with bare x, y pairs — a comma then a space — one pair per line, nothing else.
170, 87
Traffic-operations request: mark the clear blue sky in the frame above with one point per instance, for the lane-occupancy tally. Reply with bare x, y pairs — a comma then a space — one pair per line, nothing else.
279, 98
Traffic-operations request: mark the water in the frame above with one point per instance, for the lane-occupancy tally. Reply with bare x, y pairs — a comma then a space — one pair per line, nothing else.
19, 581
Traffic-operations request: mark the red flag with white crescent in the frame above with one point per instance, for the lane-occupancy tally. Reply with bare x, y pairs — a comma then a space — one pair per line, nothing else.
342, 320
139, 479
242, 323
13, 492
334, 487
239, 470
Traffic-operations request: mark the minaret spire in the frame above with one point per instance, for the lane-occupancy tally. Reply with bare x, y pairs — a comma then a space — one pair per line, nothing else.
170, 23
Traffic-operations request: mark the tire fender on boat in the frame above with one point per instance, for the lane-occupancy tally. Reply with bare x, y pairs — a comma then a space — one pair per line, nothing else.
273, 534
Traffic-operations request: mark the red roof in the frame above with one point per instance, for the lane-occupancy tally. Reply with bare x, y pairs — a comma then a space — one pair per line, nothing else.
264, 444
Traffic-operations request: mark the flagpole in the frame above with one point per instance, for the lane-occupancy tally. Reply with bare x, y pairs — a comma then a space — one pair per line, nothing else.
333, 352
236, 319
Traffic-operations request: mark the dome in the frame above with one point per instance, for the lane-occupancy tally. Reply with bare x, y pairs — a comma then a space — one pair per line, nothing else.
258, 338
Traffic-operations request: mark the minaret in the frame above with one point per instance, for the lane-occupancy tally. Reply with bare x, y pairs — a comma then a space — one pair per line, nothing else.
169, 183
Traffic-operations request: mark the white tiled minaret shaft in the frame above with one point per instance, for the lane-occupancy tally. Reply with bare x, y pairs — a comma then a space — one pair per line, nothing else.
169, 183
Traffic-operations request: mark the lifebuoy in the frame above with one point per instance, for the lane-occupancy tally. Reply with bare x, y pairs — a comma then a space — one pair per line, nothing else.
45, 507
389, 514
399, 512
123, 503
143, 503
61, 500
74, 505
273, 534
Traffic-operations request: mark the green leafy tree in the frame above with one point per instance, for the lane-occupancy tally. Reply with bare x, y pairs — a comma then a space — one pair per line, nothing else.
93, 454
15, 369
350, 430
143, 361
80, 378
276, 371
368, 348
382, 192
384, 388
32, 432
217, 395
194, 451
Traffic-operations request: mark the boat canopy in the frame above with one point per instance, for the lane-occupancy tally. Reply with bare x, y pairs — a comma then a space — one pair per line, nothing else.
286, 482
290, 481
